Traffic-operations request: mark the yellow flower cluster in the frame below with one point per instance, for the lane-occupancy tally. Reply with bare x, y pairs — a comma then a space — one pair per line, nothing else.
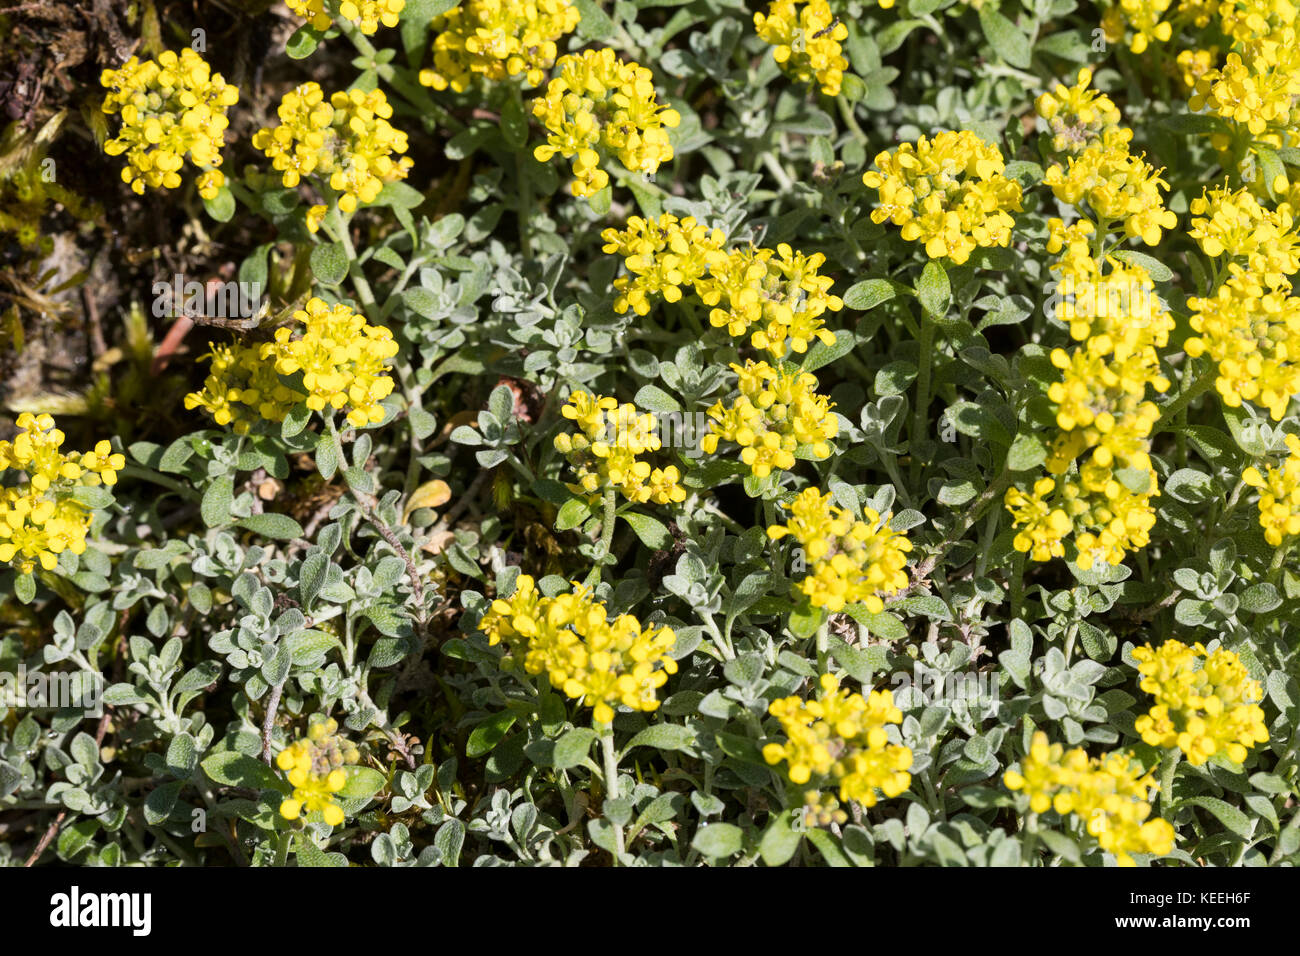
776, 412
242, 389
1072, 242
1110, 794
1042, 528
607, 447
806, 40
840, 739
1234, 224
1257, 87
851, 561
1251, 329
1213, 708
1101, 410
1194, 64
1080, 117
1099, 169
347, 139
496, 39
1101, 407
570, 638
599, 102
1279, 500
169, 108
778, 298
39, 518
948, 192
342, 358
822, 810
661, 256
1117, 187
1142, 18
313, 766
1249, 19
1112, 307
365, 15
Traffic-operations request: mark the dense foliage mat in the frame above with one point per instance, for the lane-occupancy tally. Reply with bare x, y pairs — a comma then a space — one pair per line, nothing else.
650, 433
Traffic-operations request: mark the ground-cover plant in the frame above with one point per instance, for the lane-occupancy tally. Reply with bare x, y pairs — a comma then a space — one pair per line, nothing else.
875, 443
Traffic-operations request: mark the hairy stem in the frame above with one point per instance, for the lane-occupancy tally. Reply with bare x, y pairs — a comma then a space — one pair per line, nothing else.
606, 537
610, 760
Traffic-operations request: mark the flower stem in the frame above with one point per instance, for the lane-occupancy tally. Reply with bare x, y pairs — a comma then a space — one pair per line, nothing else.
606, 537
355, 273
851, 121
1279, 557
522, 158
282, 848
1197, 387
922, 390
610, 760
773, 166
1031, 839
1168, 768
366, 503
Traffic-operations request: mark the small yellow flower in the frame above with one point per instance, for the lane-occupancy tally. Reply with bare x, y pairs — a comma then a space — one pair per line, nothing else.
39, 518
1257, 86
313, 766
1279, 499
497, 39
1110, 794
1117, 187
777, 297
102, 465
343, 361
1104, 482
776, 412
345, 141
170, 108
365, 15
948, 192
1080, 117
805, 40
315, 216
661, 257
1213, 708
850, 561
1040, 527
586, 655
840, 739
1250, 327
1110, 306
1142, 18
241, 389
601, 103
1234, 224
1195, 64
607, 448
